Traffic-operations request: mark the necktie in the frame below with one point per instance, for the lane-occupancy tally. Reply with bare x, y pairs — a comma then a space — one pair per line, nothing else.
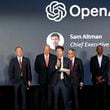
46, 60
59, 61
20, 63
71, 66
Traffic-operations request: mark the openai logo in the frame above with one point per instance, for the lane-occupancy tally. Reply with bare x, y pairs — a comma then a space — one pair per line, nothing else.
56, 11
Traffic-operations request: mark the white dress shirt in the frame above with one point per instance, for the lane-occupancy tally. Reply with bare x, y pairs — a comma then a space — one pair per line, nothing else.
45, 56
99, 60
20, 59
62, 74
73, 60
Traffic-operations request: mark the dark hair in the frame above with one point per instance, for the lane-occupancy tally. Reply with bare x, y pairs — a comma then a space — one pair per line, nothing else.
59, 47
72, 49
18, 47
55, 34
99, 46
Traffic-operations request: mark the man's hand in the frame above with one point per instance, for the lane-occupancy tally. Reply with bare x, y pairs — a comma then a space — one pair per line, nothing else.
67, 71
99, 79
29, 83
81, 85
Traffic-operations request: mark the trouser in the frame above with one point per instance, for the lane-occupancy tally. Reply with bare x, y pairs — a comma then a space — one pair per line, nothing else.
74, 93
20, 96
100, 96
60, 88
45, 97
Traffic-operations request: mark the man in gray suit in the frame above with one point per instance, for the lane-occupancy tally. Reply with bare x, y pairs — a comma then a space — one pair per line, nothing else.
76, 75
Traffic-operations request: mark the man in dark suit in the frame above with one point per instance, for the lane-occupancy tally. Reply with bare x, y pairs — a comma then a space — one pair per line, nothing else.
99, 67
60, 79
20, 75
76, 75
44, 66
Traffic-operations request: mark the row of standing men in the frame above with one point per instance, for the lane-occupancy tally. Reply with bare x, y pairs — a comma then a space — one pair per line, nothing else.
58, 75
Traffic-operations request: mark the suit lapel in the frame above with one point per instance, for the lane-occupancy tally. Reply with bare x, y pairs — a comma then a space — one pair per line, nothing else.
50, 59
75, 64
23, 61
65, 65
17, 63
97, 61
43, 60
64, 62
102, 61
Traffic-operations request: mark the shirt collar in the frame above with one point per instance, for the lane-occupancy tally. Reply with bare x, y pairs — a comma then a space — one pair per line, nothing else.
20, 57
61, 58
99, 56
46, 55
73, 58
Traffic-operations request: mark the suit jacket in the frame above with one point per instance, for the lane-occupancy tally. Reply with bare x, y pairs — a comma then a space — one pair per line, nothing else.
56, 75
99, 71
15, 71
77, 74
43, 71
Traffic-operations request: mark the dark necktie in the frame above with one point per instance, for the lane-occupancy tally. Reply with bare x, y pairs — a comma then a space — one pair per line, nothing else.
59, 61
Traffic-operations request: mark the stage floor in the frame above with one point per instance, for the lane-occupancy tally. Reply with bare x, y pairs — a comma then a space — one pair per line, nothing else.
7, 98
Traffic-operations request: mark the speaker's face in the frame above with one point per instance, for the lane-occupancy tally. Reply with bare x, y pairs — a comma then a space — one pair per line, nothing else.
59, 53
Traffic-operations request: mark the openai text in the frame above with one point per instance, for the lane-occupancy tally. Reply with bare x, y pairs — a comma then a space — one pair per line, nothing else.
76, 11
